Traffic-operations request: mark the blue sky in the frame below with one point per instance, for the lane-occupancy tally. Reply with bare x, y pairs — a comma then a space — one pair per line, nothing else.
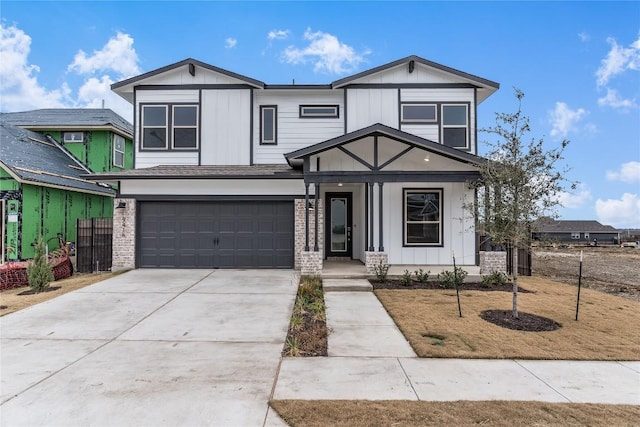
577, 62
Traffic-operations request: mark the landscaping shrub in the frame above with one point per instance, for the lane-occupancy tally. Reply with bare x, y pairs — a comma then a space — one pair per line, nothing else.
448, 279
405, 279
381, 270
497, 278
422, 276
38, 271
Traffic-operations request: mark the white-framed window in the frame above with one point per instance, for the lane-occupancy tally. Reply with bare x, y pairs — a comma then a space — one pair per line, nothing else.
418, 113
268, 124
72, 137
575, 236
586, 236
118, 151
455, 125
185, 127
154, 121
422, 217
319, 111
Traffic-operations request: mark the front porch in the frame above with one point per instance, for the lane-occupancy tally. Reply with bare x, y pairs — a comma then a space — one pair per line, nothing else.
354, 269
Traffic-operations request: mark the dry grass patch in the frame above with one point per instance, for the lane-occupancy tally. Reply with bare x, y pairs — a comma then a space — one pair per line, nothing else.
299, 413
10, 301
606, 330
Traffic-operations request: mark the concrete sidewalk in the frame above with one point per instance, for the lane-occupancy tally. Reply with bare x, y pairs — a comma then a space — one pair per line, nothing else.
353, 378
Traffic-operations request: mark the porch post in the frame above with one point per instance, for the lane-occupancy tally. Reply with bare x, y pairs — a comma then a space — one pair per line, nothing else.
380, 243
371, 247
316, 247
306, 216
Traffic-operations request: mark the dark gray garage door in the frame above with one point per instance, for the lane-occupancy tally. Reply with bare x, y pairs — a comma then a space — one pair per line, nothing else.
238, 234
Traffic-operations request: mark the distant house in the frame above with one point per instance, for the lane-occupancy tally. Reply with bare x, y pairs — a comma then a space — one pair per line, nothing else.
581, 232
43, 155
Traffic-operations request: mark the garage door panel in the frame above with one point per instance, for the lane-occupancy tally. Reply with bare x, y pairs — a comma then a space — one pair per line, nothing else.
234, 234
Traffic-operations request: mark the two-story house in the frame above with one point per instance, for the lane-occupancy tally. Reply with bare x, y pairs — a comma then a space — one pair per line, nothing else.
231, 172
43, 154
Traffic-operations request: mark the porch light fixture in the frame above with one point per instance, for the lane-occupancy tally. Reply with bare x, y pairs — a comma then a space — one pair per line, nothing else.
339, 184
121, 205
426, 158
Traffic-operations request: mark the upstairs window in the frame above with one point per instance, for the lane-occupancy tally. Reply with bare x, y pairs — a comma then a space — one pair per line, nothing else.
455, 126
319, 111
118, 151
268, 124
423, 217
418, 113
72, 137
169, 127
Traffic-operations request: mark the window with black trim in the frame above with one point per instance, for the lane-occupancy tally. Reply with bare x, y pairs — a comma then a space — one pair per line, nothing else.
418, 113
169, 126
118, 151
72, 137
422, 217
319, 111
268, 124
455, 125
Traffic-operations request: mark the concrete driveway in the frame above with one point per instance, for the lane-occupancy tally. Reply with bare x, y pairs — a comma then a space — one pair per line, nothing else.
149, 348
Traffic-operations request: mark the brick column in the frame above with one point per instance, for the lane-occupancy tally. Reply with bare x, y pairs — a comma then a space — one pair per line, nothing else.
373, 259
493, 261
124, 235
300, 228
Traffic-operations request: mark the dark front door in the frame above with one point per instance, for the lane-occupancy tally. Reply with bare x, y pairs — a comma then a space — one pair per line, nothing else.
338, 221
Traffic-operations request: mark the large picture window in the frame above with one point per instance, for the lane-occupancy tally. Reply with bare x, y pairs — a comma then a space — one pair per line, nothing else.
423, 217
455, 126
118, 151
268, 124
169, 126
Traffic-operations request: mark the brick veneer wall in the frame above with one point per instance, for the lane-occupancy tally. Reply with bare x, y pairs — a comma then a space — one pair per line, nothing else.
493, 261
373, 259
124, 236
311, 260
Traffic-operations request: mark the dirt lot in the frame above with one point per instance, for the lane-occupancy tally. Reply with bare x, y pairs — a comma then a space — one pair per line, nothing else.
613, 270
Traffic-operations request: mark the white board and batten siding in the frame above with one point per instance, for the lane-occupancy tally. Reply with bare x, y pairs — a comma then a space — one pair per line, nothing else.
208, 187
458, 231
294, 132
366, 107
225, 127
149, 158
444, 95
181, 76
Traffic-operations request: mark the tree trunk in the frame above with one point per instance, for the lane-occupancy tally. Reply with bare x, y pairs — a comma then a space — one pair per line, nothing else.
514, 272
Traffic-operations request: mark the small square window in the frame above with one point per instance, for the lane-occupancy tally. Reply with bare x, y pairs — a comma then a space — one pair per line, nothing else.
73, 137
418, 113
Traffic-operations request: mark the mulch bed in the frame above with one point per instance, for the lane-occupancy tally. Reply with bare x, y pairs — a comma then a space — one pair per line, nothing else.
32, 292
525, 321
471, 286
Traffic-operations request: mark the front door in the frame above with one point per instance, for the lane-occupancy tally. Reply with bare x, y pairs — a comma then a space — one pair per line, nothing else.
338, 225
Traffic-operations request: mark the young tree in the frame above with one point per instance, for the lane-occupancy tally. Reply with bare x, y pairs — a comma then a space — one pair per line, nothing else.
520, 183
39, 272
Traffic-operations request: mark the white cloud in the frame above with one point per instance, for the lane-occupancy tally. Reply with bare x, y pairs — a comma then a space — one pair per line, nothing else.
613, 99
326, 53
618, 60
278, 34
620, 213
230, 43
576, 199
564, 120
584, 36
629, 172
117, 55
18, 79
94, 91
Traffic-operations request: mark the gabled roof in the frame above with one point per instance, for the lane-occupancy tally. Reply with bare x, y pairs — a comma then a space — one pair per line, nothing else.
70, 119
34, 159
187, 62
573, 226
382, 130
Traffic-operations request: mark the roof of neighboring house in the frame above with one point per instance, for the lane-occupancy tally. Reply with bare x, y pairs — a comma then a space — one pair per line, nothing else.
32, 158
383, 130
70, 119
200, 172
571, 226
